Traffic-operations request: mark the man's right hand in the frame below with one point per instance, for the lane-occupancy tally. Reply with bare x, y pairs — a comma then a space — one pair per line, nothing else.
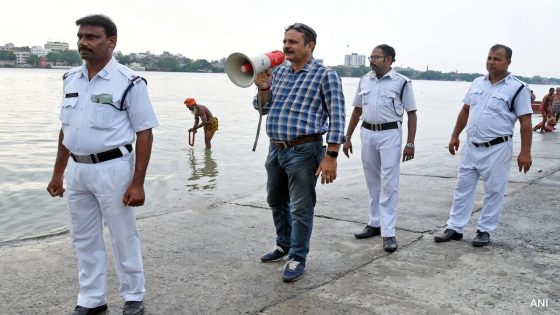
347, 147
263, 79
55, 187
454, 145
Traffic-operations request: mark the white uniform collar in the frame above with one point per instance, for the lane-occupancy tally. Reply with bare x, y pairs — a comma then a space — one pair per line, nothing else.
506, 80
105, 73
391, 74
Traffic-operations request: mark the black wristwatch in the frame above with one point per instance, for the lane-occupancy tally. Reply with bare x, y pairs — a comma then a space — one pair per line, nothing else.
332, 154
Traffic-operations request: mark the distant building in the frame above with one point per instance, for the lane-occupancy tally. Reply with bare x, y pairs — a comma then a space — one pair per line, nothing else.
354, 60
22, 57
56, 46
8, 47
136, 66
39, 51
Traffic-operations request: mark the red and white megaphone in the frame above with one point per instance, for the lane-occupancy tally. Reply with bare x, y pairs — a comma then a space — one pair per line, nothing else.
242, 70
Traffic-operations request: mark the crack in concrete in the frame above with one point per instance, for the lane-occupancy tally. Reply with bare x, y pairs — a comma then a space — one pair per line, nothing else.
336, 277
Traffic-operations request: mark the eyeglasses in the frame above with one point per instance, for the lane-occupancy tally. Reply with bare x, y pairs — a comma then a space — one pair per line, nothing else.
300, 27
374, 58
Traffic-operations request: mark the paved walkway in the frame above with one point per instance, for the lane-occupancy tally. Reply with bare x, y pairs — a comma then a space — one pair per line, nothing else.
205, 259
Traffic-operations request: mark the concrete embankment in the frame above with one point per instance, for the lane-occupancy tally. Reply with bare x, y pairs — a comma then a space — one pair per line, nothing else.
205, 259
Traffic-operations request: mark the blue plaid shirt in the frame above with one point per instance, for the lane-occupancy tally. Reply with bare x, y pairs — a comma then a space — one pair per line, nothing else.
300, 103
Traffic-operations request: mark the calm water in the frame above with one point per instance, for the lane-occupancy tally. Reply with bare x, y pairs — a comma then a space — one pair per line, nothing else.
179, 177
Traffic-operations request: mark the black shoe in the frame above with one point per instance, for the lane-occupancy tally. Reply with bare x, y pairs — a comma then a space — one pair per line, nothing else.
368, 231
80, 310
390, 244
448, 235
481, 239
275, 255
133, 308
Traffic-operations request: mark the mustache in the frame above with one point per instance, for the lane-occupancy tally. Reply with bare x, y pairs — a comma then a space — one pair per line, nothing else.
288, 51
84, 49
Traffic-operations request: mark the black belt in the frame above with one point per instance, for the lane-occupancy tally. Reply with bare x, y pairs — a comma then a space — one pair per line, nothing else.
100, 157
380, 127
300, 140
493, 142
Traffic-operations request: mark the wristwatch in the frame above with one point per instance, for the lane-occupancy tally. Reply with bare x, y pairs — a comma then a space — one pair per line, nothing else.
410, 145
332, 154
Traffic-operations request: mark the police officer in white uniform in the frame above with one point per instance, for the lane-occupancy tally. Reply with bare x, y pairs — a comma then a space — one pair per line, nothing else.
105, 106
382, 97
491, 107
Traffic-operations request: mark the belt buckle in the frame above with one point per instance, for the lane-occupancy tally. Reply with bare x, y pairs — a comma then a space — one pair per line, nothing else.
83, 159
282, 144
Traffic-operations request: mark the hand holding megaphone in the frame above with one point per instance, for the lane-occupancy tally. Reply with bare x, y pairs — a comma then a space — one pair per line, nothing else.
242, 70
263, 79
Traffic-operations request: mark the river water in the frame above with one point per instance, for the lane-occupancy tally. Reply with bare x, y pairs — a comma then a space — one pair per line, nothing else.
179, 176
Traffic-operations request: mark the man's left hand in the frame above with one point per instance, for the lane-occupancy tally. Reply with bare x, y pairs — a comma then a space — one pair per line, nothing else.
327, 170
134, 196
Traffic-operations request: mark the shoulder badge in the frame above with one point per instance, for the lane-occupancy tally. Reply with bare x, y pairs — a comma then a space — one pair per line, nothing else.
70, 72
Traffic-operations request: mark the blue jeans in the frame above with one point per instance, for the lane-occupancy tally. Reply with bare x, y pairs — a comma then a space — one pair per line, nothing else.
291, 194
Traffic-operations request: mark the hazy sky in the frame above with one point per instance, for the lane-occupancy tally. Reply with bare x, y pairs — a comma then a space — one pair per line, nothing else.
445, 35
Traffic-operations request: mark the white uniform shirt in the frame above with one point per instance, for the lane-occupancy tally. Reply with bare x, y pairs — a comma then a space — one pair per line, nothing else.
380, 99
89, 123
489, 114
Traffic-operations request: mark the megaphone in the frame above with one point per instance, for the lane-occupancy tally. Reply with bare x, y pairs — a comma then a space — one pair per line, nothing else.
242, 70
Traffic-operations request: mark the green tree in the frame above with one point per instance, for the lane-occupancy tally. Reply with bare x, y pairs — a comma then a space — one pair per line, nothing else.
34, 60
168, 64
72, 57
54, 57
7, 55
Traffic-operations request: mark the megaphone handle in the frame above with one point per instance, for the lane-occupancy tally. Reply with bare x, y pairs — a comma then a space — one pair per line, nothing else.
260, 120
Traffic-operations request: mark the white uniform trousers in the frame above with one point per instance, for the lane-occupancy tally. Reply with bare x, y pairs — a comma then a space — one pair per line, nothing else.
381, 155
95, 197
492, 164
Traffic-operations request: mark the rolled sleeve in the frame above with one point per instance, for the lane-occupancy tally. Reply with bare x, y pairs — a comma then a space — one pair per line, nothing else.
264, 107
334, 99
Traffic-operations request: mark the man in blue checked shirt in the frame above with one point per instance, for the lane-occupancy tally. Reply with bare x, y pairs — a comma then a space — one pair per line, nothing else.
303, 100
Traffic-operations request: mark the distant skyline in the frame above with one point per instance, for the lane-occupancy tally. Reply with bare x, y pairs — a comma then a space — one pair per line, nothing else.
439, 34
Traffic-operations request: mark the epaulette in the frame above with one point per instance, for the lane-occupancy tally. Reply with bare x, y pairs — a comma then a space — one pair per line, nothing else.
518, 80
70, 72
403, 76
127, 72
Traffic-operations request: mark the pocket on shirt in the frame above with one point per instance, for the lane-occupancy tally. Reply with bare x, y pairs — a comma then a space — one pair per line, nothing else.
499, 102
389, 97
66, 109
475, 97
364, 96
102, 116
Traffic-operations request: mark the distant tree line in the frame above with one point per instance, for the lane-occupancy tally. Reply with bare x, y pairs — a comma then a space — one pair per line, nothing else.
66, 57
345, 71
7, 55
171, 63
176, 63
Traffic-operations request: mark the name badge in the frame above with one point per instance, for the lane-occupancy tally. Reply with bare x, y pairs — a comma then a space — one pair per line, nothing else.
102, 98
70, 95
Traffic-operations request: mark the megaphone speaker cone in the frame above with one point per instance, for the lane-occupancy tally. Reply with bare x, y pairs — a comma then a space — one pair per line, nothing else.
242, 70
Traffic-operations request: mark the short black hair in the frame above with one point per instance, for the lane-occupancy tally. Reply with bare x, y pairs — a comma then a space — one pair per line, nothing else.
99, 20
387, 51
309, 34
508, 50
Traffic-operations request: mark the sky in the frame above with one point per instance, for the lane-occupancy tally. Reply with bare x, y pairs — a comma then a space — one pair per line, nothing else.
442, 35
